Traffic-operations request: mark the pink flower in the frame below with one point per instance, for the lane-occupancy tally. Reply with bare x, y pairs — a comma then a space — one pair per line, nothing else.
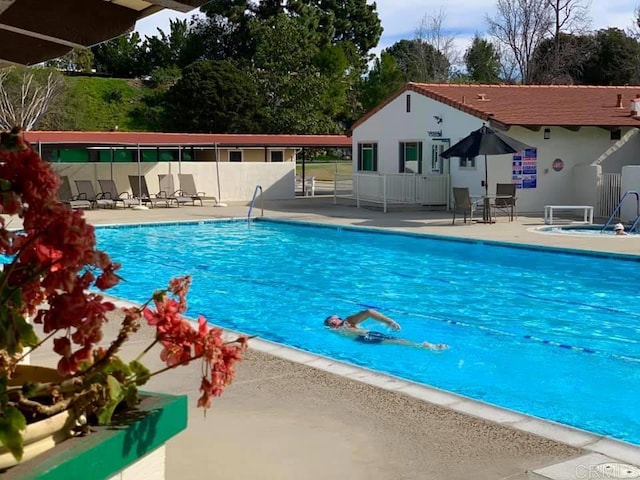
54, 260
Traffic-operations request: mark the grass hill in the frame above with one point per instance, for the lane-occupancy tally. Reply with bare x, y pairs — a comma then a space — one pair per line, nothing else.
94, 103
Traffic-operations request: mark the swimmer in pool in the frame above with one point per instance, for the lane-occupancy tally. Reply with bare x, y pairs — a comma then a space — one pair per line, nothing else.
619, 229
349, 328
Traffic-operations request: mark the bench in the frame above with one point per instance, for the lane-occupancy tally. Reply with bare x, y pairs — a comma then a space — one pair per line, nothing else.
587, 212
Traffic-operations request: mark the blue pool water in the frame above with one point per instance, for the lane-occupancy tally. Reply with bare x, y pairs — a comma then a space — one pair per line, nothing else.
585, 230
551, 334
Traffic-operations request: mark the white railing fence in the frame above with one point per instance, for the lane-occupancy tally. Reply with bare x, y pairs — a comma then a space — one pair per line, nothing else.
401, 189
609, 191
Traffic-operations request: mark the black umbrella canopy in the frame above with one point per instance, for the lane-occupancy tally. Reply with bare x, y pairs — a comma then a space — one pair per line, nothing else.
485, 141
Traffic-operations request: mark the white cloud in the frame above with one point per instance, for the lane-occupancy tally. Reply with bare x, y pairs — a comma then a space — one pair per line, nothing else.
148, 27
612, 13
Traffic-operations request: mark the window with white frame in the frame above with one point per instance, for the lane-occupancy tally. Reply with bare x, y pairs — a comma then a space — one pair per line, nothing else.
235, 155
467, 162
410, 157
368, 157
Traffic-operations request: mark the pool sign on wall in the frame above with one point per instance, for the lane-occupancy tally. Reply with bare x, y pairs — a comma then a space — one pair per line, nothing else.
524, 171
557, 165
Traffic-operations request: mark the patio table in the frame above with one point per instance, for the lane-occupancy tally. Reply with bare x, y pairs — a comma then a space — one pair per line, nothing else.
486, 205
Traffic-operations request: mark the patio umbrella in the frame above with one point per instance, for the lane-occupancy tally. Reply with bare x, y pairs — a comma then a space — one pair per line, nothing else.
485, 141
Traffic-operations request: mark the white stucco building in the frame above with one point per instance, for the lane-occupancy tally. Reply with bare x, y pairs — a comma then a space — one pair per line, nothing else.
582, 137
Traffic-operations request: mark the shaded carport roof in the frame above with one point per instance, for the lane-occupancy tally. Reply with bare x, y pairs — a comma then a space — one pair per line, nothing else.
149, 139
33, 31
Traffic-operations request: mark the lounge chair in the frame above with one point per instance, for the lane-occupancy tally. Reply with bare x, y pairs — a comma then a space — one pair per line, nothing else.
505, 200
167, 187
66, 197
109, 190
462, 202
86, 192
188, 187
141, 191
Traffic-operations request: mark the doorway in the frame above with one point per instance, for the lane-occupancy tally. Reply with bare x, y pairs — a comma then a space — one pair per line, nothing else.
433, 163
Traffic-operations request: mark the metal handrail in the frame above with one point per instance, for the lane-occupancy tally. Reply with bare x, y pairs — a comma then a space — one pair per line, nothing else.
615, 210
634, 225
253, 201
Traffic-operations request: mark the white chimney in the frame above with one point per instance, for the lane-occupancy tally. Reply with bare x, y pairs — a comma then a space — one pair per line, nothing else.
635, 107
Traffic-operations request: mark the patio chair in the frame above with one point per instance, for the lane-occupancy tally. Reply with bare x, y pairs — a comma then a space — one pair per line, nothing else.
66, 197
109, 190
86, 192
188, 187
309, 187
505, 200
140, 191
462, 202
167, 187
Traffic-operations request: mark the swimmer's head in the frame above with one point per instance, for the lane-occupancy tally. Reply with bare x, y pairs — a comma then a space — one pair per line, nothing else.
333, 321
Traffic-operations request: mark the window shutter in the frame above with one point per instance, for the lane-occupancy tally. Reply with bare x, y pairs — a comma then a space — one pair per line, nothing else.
401, 158
420, 157
360, 157
375, 157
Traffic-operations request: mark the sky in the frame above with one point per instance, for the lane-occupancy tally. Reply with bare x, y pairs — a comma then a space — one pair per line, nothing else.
462, 18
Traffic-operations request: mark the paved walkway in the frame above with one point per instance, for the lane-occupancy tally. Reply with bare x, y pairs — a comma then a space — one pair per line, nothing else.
282, 420
321, 209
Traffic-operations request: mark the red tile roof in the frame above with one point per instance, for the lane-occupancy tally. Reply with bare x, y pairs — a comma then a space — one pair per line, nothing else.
532, 105
186, 139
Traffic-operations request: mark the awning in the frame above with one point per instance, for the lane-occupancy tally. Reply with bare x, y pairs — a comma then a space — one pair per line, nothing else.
33, 31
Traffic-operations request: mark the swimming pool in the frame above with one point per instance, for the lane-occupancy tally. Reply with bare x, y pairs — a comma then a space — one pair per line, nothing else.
589, 230
550, 334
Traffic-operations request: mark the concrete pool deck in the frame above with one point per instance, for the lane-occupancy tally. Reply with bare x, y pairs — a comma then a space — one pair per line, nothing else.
291, 415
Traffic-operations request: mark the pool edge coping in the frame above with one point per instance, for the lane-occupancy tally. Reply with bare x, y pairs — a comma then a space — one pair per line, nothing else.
572, 436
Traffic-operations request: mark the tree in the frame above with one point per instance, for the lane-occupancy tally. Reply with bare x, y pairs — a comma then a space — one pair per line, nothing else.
430, 33
26, 95
615, 59
178, 48
225, 32
383, 79
520, 26
575, 51
303, 84
213, 97
558, 58
567, 17
150, 112
354, 25
482, 61
79, 59
419, 61
122, 57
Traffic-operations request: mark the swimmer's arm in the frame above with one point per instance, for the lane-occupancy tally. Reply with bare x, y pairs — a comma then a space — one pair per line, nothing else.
354, 320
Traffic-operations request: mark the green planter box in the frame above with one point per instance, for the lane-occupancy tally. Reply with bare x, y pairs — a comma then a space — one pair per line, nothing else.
110, 449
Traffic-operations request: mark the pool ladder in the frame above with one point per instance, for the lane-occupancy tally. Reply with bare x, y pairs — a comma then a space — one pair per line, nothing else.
634, 225
253, 201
